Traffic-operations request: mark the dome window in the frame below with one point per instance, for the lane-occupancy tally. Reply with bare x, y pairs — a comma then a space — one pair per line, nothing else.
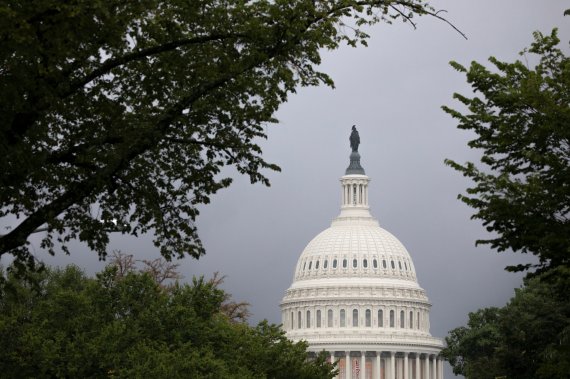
317, 265
392, 262
330, 318
318, 318
342, 318
406, 266
354, 263
365, 263
292, 321
418, 319
402, 320
334, 263
344, 263
310, 264
355, 317
380, 318
400, 264
304, 266
375, 263
325, 263
308, 319
391, 319
299, 320
368, 317
411, 320
384, 263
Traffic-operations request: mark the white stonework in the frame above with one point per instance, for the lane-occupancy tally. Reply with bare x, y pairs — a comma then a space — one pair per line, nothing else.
356, 296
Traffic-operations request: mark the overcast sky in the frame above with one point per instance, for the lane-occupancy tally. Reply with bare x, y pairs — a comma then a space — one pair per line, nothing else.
393, 91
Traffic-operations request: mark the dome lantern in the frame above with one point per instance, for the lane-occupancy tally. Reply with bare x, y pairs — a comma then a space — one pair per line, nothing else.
354, 183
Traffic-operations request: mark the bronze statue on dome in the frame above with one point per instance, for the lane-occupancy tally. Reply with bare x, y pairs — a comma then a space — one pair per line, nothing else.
354, 139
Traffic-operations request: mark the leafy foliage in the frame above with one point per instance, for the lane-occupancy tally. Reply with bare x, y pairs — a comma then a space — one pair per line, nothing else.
521, 120
118, 117
526, 339
126, 326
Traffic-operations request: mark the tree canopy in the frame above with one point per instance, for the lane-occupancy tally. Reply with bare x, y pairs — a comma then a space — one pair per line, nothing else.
529, 338
118, 117
124, 324
521, 118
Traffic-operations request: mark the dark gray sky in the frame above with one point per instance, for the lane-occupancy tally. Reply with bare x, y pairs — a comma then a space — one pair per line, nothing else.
393, 91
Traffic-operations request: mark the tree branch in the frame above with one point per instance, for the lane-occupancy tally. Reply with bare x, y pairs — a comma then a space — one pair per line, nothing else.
23, 121
79, 190
110, 64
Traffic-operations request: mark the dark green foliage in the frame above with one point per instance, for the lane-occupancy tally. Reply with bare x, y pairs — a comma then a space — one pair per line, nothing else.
529, 338
521, 119
118, 116
471, 350
129, 326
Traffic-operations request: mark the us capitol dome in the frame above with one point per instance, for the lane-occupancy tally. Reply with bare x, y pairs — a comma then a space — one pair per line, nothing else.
355, 295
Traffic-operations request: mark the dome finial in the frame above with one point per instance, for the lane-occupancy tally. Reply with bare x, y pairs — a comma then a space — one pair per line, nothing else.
354, 168
354, 139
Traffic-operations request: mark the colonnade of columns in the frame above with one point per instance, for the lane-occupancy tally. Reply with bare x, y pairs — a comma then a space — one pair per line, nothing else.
355, 193
387, 365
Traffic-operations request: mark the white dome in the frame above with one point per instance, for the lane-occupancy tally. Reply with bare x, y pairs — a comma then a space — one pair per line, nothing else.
355, 295
355, 247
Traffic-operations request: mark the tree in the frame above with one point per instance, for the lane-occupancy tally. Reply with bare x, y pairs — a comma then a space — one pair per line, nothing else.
471, 350
166, 273
522, 196
126, 326
118, 117
529, 338
235, 311
521, 123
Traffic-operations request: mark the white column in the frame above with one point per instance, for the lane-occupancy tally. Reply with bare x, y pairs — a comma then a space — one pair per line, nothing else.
417, 366
440, 366
348, 365
436, 362
378, 365
433, 368
392, 365
353, 194
362, 365
406, 367
426, 366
